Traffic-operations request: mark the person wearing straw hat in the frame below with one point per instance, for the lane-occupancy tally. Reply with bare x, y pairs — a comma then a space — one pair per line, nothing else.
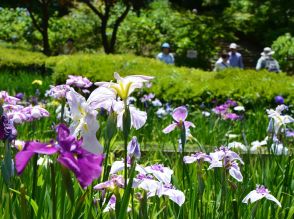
165, 55
266, 61
235, 59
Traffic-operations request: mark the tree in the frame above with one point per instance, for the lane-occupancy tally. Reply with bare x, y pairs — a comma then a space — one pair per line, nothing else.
262, 21
105, 10
40, 12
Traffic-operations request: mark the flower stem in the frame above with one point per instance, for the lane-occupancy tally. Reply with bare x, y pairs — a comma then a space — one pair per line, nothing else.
126, 161
35, 179
53, 191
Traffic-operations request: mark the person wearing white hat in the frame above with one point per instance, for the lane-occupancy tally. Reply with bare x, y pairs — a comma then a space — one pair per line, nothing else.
235, 59
266, 61
165, 55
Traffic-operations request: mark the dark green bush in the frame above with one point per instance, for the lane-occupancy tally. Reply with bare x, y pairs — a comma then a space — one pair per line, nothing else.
284, 48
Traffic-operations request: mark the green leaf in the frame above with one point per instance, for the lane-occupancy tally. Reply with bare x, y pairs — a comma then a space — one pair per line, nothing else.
30, 200
67, 183
111, 126
126, 122
126, 197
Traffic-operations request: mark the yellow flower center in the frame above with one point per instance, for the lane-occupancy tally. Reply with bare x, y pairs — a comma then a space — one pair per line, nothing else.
122, 89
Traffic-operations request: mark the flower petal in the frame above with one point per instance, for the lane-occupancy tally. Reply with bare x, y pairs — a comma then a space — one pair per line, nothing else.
189, 124
252, 197
272, 198
89, 129
170, 128
21, 160
180, 114
116, 167
101, 97
138, 117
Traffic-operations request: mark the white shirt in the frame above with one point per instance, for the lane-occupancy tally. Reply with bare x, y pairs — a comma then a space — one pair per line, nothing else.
220, 65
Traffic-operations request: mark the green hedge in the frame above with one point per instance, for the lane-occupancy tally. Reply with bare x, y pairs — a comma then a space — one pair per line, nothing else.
12, 58
171, 83
179, 84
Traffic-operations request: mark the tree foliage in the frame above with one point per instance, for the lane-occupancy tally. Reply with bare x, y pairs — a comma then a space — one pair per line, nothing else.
284, 52
262, 20
184, 30
115, 11
40, 12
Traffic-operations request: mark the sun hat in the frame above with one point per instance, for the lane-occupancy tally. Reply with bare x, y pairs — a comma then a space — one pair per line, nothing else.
233, 46
267, 51
165, 45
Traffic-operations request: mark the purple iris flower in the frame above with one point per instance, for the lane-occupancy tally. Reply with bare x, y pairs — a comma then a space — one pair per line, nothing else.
179, 115
5, 98
58, 92
30, 149
115, 181
85, 165
231, 116
225, 110
224, 157
289, 133
231, 103
197, 157
34, 112
7, 129
221, 109
134, 148
279, 100
78, 81
19, 96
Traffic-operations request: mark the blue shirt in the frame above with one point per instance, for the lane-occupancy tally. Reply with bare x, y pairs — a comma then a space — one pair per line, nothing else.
168, 59
236, 60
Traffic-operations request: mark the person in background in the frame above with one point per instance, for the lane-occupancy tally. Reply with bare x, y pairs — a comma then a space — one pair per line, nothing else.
266, 61
235, 59
69, 48
223, 62
165, 55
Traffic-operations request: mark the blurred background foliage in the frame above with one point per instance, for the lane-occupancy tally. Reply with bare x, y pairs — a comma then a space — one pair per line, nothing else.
206, 27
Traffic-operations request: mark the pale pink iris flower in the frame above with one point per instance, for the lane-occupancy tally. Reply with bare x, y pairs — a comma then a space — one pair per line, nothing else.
179, 115
125, 86
6, 98
224, 157
259, 193
78, 81
115, 95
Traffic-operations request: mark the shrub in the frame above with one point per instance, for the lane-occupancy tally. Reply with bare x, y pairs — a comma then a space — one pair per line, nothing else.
17, 59
179, 84
284, 48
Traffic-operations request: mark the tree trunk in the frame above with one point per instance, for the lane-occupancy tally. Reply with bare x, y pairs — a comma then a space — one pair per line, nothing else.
108, 44
117, 23
45, 25
46, 46
104, 35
